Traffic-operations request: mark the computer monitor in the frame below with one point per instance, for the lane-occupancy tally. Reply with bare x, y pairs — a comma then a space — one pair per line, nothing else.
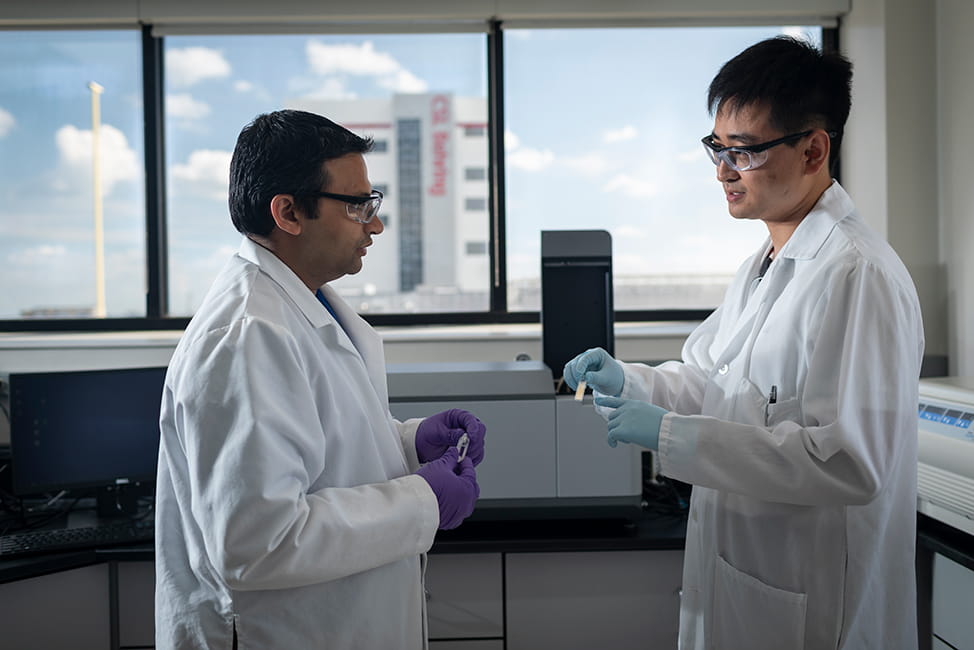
84, 429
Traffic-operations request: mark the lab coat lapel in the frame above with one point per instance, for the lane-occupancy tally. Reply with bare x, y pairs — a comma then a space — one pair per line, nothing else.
361, 339
303, 298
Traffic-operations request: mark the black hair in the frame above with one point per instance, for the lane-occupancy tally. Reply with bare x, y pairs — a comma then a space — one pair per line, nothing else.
282, 153
803, 87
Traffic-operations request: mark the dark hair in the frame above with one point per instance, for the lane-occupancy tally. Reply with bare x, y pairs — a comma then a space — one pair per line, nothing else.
803, 87
282, 153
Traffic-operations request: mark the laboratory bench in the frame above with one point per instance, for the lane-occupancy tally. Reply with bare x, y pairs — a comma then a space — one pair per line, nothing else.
502, 580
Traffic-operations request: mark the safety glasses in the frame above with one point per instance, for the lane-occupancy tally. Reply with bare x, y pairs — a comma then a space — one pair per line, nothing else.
747, 157
358, 208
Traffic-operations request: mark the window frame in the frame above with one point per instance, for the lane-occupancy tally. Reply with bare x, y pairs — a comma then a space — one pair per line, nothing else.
157, 318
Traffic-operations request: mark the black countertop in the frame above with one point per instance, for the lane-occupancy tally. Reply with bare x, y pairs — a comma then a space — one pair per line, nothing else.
950, 542
512, 532
493, 532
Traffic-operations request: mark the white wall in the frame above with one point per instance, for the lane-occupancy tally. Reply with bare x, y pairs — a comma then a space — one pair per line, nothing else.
889, 160
955, 121
907, 155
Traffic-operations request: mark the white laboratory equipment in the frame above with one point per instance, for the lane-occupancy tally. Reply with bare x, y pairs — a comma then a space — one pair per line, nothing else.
945, 473
945, 492
542, 449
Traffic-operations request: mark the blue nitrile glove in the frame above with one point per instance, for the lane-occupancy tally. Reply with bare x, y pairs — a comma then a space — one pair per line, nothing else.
633, 421
598, 369
455, 486
440, 432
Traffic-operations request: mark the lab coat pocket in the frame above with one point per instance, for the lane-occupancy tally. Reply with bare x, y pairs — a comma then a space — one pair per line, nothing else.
783, 411
751, 615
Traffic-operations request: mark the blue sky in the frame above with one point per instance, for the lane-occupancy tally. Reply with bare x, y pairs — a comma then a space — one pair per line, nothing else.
603, 132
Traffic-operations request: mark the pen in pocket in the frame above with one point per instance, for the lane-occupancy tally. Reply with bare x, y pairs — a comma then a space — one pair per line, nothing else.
772, 398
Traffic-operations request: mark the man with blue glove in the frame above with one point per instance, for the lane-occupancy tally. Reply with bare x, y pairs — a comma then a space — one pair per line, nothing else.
628, 420
293, 510
793, 411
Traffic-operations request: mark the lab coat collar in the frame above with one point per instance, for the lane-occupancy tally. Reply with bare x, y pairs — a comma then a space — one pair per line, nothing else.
353, 333
811, 234
288, 280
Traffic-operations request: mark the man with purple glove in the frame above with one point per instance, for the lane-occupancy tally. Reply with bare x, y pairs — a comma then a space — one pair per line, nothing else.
293, 510
436, 445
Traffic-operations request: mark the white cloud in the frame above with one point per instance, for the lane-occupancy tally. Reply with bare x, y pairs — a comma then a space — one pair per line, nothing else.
627, 132
630, 186
243, 86
511, 141
593, 164
691, 155
118, 160
39, 256
182, 106
207, 171
363, 61
530, 160
190, 65
404, 81
525, 158
7, 122
332, 88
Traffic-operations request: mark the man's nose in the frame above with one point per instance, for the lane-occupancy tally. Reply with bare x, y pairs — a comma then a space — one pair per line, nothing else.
375, 227
725, 172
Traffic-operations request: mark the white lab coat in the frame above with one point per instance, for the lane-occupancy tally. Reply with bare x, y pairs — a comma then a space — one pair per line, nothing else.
801, 531
287, 507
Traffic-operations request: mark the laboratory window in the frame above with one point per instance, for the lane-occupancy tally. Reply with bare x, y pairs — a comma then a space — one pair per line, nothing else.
415, 89
602, 131
72, 216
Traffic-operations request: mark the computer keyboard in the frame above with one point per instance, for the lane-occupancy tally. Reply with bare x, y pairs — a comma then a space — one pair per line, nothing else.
68, 539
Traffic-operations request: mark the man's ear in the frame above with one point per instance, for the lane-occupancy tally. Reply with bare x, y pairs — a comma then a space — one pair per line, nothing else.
817, 151
285, 213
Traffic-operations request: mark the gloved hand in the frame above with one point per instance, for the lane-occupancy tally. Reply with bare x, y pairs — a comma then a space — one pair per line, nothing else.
633, 421
598, 369
442, 431
455, 486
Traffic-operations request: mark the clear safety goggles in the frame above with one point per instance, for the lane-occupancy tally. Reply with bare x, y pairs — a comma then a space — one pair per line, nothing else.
747, 157
358, 208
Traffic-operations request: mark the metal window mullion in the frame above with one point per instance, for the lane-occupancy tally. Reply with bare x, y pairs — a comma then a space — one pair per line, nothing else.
495, 154
156, 236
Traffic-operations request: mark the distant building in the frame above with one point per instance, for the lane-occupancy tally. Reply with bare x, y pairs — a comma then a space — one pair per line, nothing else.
430, 161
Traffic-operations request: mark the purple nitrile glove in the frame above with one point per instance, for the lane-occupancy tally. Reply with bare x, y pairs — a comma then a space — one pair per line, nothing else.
442, 431
455, 486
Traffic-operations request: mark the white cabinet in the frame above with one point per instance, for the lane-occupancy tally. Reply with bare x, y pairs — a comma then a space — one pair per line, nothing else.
564, 600
464, 596
68, 609
584, 600
953, 585
475, 601
136, 604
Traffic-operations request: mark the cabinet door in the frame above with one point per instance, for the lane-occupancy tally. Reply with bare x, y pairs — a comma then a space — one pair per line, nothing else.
953, 585
136, 604
611, 599
62, 610
463, 596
